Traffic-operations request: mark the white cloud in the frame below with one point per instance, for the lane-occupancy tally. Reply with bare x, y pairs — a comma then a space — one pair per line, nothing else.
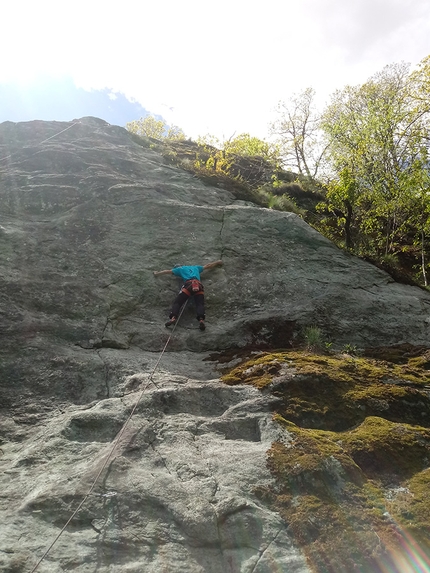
221, 67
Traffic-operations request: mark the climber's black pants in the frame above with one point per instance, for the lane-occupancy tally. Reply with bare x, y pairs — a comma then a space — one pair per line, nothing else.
182, 298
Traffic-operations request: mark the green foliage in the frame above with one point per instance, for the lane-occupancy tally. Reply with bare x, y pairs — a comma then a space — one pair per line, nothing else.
390, 260
226, 156
140, 140
284, 203
271, 198
243, 144
370, 144
313, 337
376, 135
349, 349
209, 140
419, 85
154, 128
212, 156
246, 145
342, 198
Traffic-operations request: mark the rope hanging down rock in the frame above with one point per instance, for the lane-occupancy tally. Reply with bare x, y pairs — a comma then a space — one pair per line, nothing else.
114, 445
40, 143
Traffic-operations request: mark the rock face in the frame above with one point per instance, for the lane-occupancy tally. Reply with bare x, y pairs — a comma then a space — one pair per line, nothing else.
86, 216
178, 494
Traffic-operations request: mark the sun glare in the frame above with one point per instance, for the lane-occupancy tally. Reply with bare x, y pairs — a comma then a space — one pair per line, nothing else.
408, 558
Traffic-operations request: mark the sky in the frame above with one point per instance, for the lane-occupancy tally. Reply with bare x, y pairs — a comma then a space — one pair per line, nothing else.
216, 68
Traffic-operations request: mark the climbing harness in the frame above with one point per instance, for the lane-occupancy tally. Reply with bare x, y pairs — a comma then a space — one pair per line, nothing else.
192, 287
114, 445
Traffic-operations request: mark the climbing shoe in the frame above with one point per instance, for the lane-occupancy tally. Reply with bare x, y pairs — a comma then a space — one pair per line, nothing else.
202, 324
171, 321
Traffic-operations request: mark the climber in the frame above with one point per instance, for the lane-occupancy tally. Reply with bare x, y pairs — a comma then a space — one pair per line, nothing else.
192, 286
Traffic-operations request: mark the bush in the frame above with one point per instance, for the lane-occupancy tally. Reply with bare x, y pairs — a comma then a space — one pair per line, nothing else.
291, 189
284, 203
314, 338
140, 139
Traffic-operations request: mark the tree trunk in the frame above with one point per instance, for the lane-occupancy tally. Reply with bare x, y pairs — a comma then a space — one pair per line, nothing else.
423, 258
348, 221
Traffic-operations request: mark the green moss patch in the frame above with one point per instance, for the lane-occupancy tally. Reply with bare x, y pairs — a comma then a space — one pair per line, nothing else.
339, 392
386, 450
410, 505
352, 472
331, 490
321, 494
258, 371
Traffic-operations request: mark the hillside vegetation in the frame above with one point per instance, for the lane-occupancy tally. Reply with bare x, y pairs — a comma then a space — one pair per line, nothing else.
357, 171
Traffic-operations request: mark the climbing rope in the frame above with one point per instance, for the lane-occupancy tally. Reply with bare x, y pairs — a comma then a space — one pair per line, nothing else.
40, 143
114, 445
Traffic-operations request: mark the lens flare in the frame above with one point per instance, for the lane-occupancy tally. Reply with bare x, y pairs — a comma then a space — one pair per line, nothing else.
409, 557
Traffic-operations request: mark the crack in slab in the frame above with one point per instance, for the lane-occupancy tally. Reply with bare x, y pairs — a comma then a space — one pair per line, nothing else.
151, 444
261, 553
221, 231
106, 369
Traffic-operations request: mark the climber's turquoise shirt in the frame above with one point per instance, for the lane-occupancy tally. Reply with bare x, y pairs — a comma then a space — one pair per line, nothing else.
188, 272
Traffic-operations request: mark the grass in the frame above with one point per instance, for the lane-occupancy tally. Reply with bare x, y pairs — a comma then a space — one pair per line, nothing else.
313, 338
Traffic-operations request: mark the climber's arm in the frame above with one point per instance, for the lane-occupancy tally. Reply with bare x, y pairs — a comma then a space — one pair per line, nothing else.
166, 272
211, 265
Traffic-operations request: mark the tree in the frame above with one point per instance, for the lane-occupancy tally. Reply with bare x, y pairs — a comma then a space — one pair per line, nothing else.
342, 200
299, 134
223, 153
246, 145
376, 133
420, 84
420, 214
213, 156
149, 126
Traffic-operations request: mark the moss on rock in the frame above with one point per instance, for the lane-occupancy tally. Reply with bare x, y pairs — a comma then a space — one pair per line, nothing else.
351, 473
338, 392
